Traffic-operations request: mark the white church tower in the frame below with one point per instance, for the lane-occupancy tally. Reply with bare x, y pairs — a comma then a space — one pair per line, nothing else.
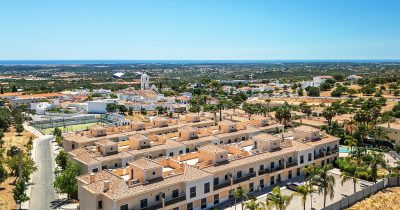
144, 82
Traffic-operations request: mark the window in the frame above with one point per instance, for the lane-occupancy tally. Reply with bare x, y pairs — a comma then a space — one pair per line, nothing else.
171, 154
176, 208
262, 183
216, 181
251, 187
203, 203
192, 192
290, 160
298, 172
309, 157
175, 193
243, 138
187, 150
272, 164
143, 203
216, 199
116, 165
226, 177
261, 167
239, 174
124, 207
189, 206
154, 173
95, 170
104, 167
99, 204
301, 159
251, 170
290, 174
180, 152
207, 187
272, 180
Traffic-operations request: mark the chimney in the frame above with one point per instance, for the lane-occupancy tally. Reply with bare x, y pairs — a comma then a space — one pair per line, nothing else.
92, 178
106, 185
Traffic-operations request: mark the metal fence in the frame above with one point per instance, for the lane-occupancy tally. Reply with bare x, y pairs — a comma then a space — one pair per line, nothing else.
365, 193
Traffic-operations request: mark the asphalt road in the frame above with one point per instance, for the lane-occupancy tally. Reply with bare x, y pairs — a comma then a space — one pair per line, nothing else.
43, 196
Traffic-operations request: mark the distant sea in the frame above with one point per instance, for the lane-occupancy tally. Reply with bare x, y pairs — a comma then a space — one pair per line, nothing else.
115, 62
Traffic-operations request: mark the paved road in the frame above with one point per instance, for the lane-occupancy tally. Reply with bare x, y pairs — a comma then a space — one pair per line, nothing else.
43, 194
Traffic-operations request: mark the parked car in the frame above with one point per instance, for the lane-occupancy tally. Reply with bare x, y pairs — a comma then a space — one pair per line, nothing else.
292, 185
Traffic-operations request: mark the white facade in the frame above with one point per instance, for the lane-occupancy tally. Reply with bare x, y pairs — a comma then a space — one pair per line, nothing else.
99, 107
41, 107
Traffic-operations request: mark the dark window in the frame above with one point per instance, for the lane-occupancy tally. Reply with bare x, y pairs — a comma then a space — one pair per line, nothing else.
192, 192
180, 152
176, 208
261, 167
203, 203
239, 174
116, 165
290, 160
243, 138
99, 204
290, 174
272, 164
262, 183
272, 180
298, 172
175, 193
226, 177
301, 159
104, 167
189, 206
207, 187
251, 170
143, 203
309, 157
187, 150
95, 170
216, 181
171, 154
124, 207
216, 199
251, 187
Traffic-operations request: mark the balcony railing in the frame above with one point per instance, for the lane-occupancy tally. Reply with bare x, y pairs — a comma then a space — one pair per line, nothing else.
252, 174
263, 171
333, 151
320, 155
167, 203
241, 179
223, 185
288, 165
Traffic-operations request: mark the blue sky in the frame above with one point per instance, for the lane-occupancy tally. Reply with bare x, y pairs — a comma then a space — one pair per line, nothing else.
207, 29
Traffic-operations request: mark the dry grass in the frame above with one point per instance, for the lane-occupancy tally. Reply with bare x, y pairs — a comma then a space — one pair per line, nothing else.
11, 139
386, 199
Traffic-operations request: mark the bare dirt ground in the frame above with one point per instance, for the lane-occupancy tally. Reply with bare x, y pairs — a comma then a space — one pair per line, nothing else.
11, 138
386, 199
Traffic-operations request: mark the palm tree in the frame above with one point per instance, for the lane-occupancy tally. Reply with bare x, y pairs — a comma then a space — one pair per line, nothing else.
284, 114
374, 160
335, 129
304, 191
252, 205
232, 105
221, 105
350, 171
277, 200
350, 141
213, 109
239, 193
326, 182
378, 131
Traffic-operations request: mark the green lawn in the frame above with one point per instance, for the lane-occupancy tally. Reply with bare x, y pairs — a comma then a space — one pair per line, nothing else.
69, 128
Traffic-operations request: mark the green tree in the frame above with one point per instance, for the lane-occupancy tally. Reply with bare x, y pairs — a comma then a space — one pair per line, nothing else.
303, 191
65, 181
350, 141
313, 91
130, 111
240, 193
62, 159
14, 89
19, 128
19, 192
3, 172
278, 200
328, 114
350, 171
252, 205
325, 182
122, 109
374, 160
111, 107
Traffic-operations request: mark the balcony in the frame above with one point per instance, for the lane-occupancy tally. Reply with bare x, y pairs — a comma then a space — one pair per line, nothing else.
223, 185
241, 179
167, 203
333, 151
320, 155
289, 165
261, 172
253, 174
